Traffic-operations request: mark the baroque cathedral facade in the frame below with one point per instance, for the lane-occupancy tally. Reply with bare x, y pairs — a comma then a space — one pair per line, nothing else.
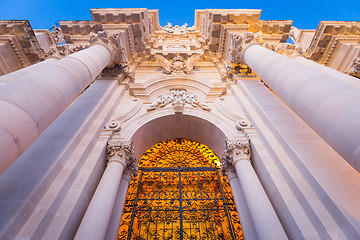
119, 128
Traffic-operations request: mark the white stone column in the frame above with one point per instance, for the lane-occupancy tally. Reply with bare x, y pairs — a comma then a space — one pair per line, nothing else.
328, 105
329, 71
31, 99
241, 206
21, 72
118, 209
95, 223
263, 222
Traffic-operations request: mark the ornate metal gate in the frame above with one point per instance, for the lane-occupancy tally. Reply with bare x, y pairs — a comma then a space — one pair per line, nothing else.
180, 203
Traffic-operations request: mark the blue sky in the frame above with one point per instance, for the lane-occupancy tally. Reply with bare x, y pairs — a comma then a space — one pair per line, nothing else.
306, 13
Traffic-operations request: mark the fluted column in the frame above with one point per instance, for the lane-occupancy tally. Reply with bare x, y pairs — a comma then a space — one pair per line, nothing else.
95, 223
262, 220
327, 104
32, 98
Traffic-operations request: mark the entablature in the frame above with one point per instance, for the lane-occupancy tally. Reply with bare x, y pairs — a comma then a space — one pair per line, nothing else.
19, 45
328, 35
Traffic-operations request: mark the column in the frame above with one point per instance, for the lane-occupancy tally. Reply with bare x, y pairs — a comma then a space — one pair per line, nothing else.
33, 98
21, 72
95, 223
327, 70
328, 105
118, 209
241, 206
264, 223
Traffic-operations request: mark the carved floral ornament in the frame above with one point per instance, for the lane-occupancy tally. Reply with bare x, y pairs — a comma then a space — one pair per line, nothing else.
122, 152
178, 97
234, 151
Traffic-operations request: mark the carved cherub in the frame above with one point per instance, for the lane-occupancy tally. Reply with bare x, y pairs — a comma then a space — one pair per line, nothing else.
195, 101
158, 103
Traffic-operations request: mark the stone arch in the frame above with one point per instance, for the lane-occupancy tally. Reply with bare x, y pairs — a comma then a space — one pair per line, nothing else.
194, 124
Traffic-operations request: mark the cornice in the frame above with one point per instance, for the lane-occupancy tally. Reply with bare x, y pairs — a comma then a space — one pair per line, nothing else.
149, 87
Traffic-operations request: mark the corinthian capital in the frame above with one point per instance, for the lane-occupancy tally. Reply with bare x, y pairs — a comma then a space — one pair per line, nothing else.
123, 153
113, 42
239, 44
234, 151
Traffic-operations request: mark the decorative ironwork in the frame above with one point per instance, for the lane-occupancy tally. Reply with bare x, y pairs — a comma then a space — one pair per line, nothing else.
179, 194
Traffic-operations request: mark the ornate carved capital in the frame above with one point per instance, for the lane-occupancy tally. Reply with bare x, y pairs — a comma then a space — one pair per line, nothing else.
123, 153
64, 50
286, 49
113, 42
355, 68
230, 173
239, 44
234, 151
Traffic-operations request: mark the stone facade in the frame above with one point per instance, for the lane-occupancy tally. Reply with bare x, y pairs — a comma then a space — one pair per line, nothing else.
75, 118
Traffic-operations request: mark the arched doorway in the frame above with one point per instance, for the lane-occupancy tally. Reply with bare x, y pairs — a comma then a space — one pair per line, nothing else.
179, 194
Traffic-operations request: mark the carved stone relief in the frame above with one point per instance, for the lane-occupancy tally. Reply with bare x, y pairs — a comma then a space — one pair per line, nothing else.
286, 49
178, 64
177, 30
64, 50
178, 98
